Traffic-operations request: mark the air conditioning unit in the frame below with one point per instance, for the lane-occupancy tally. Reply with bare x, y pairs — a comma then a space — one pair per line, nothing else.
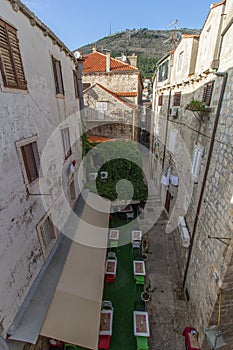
184, 233
103, 175
93, 176
174, 111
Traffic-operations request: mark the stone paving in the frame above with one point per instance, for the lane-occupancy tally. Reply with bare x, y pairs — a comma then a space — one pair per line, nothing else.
167, 307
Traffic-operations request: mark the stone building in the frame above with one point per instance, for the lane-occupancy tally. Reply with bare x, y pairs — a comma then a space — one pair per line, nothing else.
193, 128
121, 81
107, 109
40, 97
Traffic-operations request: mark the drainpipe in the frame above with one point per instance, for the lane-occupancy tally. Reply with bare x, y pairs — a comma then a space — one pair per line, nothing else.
217, 115
108, 62
166, 130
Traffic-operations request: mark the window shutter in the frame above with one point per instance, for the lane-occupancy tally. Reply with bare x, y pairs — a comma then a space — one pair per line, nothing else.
160, 100
55, 76
177, 99
57, 72
10, 59
75, 84
160, 73
165, 70
66, 142
207, 93
196, 162
31, 160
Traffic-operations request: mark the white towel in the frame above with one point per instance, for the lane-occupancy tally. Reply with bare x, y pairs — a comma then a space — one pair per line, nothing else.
174, 180
165, 180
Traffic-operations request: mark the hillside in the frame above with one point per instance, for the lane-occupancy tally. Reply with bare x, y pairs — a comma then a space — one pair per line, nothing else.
149, 45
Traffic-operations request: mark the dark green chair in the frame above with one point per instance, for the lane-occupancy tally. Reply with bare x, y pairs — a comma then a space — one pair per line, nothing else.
142, 343
140, 280
70, 347
139, 306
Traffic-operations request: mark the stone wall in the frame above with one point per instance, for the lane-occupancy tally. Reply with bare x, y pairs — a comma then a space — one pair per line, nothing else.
111, 130
117, 82
208, 255
36, 112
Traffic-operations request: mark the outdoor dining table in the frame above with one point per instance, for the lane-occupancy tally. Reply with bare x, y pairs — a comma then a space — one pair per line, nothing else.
136, 235
106, 322
141, 323
114, 235
111, 266
139, 268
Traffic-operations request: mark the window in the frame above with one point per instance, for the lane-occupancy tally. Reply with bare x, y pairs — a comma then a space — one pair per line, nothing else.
163, 71
196, 163
102, 106
66, 142
207, 93
47, 235
10, 58
58, 76
160, 100
180, 60
31, 160
177, 99
76, 91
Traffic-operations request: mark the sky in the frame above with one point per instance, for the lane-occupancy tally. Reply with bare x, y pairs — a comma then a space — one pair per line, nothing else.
80, 22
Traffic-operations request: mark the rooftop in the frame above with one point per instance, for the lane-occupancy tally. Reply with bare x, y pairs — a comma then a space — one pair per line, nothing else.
96, 62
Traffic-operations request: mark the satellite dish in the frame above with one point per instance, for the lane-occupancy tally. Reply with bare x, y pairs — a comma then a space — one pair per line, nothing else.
77, 54
123, 58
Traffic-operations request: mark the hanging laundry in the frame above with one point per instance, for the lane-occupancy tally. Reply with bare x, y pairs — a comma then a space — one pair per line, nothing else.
174, 180
165, 180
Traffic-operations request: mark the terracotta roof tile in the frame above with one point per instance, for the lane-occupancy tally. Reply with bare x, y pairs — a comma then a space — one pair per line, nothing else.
127, 94
96, 62
96, 139
218, 4
196, 36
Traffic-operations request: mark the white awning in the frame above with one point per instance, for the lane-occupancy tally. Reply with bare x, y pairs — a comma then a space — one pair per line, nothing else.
73, 315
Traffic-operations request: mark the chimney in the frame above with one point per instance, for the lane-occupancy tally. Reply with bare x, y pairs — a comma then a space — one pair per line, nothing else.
94, 48
133, 60
108, 61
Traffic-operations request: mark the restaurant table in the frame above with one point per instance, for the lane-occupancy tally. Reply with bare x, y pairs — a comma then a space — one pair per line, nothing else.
114, 235
111, 266
106, 322
141, 323
136, 235
139, 268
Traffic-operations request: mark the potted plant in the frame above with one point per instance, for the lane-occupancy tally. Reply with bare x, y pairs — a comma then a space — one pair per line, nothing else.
199, 109
196, 105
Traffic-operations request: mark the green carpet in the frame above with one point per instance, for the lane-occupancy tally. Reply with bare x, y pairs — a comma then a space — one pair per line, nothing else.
123, 292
